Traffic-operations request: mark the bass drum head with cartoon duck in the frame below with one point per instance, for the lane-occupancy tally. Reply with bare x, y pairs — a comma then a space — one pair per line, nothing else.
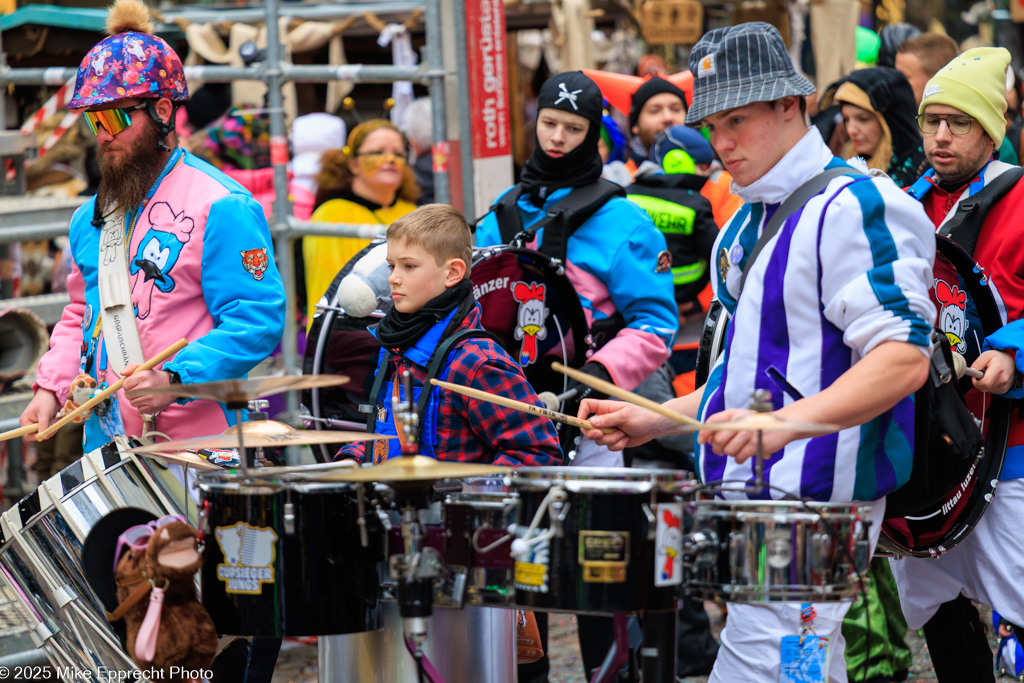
967, 313
525, 299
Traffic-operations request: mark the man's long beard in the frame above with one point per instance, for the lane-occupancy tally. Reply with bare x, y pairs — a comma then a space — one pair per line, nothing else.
125, 181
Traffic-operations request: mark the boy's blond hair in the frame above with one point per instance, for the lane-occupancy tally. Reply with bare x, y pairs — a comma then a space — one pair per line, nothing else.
439, 229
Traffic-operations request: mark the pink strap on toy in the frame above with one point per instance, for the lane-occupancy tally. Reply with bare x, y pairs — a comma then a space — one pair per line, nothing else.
145, 641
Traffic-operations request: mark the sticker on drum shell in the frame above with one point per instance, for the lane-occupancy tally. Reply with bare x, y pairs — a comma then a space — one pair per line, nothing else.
249, 553
668, 545
778, 548
531, 569
604, 556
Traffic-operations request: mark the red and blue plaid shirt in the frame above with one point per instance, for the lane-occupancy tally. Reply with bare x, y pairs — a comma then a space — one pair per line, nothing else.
471, 430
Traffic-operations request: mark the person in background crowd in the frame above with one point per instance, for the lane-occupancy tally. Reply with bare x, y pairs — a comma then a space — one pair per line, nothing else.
367, 181
312, 136
963, 120
418, 128
878, 111
891, 37
656, 105
919, 58
851, 354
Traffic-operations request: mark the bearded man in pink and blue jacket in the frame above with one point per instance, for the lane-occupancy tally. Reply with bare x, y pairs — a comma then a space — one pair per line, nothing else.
169, 248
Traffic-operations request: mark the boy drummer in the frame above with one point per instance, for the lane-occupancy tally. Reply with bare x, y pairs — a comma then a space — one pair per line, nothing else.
429, 255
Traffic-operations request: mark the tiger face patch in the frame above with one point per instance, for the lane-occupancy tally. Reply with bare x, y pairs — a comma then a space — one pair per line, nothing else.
255, 261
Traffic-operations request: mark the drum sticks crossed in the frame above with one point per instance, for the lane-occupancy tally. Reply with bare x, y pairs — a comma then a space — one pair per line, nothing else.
95, 400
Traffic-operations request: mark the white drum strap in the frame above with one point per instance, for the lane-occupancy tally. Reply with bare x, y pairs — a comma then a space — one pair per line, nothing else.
120, 333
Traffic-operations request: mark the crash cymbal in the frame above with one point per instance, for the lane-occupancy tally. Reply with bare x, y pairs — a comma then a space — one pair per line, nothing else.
238, 392
263, 434
763, 422
413, 468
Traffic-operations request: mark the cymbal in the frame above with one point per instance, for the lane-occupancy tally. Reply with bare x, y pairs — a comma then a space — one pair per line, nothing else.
241, 391
263, 434
763, 422
413, 468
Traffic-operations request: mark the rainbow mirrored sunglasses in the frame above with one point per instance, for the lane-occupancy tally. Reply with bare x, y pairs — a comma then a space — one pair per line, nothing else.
111, 120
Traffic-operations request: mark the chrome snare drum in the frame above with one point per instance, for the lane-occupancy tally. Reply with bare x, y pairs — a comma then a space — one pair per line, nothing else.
598, 540
284, 555
775, 550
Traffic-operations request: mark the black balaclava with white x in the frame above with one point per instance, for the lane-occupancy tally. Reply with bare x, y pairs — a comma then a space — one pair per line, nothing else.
575, 93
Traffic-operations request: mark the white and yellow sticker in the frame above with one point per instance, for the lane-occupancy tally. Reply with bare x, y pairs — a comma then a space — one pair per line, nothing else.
249, 554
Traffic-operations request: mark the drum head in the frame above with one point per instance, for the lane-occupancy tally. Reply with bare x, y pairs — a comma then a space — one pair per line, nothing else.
339, 344
967, 313
527, 302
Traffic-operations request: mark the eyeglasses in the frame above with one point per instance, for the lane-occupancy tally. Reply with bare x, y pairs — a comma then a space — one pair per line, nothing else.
383, 157
111, 120
137, 537
958, 124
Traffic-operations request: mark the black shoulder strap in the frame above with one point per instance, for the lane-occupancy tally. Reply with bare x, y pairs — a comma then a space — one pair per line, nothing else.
378, 382
793, 202
506, 212
965, 225
438, 358
565, 217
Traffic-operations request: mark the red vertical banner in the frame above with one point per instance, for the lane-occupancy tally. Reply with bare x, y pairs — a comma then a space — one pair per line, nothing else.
488, 78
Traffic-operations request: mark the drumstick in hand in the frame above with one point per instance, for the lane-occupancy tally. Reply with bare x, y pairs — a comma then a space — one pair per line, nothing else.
114, 388
20, 431
518, 405
627, 396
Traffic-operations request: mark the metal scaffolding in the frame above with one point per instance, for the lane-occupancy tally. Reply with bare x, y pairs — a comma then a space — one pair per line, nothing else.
275, 71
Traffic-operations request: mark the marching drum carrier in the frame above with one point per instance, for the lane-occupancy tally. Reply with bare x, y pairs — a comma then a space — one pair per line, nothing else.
526, 300
955, 475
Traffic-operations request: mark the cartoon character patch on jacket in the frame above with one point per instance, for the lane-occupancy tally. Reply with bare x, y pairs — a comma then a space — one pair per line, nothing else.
255, 262
157, 253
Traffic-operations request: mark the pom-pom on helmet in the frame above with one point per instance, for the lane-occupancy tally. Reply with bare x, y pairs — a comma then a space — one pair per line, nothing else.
130, 63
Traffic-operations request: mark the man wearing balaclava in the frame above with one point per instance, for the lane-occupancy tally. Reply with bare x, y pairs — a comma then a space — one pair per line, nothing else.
617, 260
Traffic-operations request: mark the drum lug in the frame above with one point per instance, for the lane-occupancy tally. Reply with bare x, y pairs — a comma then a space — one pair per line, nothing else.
289, 518
558, 513
700, 548
652, 520
821, 550
737, 545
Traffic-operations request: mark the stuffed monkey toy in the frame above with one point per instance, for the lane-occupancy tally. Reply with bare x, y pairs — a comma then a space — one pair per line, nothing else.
167, 626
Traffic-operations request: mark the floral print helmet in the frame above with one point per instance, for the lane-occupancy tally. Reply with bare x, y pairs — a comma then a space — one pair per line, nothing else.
126, 66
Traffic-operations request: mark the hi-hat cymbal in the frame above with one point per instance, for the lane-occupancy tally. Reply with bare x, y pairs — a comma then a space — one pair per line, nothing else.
763, 422
241, 391
263, 434
413, 468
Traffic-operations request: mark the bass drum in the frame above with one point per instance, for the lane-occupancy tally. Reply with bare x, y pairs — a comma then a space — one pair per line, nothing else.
712, 340
967, 314
526, 300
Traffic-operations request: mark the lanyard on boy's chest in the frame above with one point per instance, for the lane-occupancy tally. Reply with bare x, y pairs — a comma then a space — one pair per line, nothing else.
381, 447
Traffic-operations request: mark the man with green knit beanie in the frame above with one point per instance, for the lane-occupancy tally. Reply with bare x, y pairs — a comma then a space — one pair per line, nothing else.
962, 118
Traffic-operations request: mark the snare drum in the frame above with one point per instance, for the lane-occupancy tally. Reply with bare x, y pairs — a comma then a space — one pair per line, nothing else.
477, 541
775, 550
598, 540
284, 556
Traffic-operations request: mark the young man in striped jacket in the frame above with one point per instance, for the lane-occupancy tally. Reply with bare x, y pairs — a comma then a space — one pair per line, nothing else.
834, 320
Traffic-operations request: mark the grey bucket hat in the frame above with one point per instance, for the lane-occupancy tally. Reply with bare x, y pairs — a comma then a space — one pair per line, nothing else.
737, 65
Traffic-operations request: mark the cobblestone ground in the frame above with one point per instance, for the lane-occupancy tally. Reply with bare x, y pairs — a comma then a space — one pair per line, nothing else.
297, 663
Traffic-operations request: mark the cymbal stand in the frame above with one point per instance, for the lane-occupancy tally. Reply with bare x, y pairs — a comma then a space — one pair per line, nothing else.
618, 653
243, 457
256, 413
406, 418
